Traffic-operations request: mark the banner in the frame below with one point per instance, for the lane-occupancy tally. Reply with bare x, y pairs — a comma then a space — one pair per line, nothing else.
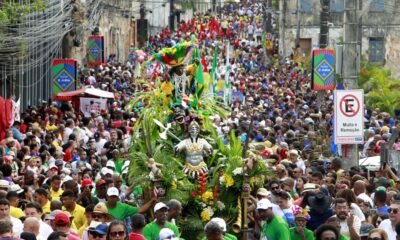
95, 51
237, 96
323, 74
16, 111
87, 105
64, 74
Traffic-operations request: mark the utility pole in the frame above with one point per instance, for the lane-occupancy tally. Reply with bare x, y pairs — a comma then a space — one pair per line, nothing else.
298, 24
351, 66
171, 15
282, 22
268, 10
324, 30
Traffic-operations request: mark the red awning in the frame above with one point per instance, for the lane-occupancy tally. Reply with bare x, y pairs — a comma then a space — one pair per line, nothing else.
83, 92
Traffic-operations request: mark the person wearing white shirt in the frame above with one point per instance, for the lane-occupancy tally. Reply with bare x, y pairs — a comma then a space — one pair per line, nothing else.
389, 225
359, 190
350, 224
5, 214
294, 158
34, 210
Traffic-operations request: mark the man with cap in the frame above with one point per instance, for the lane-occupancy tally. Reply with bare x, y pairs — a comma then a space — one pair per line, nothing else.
86, 197
62, 223
77, 211
120, 210
213, 231
294, 158
97, 230
152, 230
272, 227
222, 224
299, 231
167, 234
101, 190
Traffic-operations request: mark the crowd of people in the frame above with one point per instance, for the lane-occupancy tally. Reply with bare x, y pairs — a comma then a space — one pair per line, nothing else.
64, 175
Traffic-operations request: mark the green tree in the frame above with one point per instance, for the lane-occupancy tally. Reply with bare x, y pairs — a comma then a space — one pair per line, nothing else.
381, 89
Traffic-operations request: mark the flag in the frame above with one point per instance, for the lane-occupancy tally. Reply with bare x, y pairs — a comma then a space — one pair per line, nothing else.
214, 67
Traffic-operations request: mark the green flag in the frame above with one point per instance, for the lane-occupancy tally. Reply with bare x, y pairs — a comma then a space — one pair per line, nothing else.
214, 68
199, 74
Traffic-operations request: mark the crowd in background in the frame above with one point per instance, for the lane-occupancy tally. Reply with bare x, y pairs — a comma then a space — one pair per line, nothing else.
64, 175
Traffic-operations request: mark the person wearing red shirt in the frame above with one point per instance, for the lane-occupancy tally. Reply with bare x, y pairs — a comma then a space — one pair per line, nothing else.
138, 223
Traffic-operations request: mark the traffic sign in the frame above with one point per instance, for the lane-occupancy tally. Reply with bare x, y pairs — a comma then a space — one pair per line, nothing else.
349, 116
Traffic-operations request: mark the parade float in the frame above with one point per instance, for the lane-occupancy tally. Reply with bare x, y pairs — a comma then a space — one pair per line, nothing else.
176, 152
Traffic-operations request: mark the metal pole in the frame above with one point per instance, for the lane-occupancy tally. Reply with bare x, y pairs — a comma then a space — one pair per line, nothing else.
351, 61
298, 24
282, 22
324, 30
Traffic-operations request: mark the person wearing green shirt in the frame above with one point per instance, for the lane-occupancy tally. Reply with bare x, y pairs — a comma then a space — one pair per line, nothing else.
120, 210
274, 227
152, 230
299, 231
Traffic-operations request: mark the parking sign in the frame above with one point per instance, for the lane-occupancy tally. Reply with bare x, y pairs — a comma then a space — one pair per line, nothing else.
349, 116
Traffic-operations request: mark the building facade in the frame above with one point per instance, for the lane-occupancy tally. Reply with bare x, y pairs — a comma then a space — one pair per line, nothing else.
379, 23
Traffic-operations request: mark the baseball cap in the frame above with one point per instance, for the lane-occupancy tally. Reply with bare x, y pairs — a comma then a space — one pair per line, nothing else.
264, 204
4, 184
16, 188
53, 214
53, 166
110, 164
365, 229
112, 191
59, 162
87, 183
96, 135
61, 219
105, 171
167, 233
98, 227
160, 206
262, 192
221, 222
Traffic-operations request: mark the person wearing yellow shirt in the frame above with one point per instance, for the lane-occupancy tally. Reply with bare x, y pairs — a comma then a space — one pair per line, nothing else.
51, 125
41, 196
55, 190
68, 199
15, 211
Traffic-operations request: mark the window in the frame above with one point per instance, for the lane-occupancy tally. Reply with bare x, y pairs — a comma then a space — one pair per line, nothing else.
337, 5
377, 6
306, 5
376, 50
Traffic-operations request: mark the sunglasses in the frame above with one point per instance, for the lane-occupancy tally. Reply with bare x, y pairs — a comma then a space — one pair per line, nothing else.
120, 233
96, 216
394, 210
274, 188
96, 235
170, 237
375, 238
